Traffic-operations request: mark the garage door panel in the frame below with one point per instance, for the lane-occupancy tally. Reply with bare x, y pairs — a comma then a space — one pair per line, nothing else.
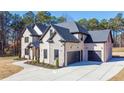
94, 56
73, 56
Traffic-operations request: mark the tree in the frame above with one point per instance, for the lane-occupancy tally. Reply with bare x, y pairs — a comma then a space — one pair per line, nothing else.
83, 22
103, 24
116, 25
29, 18
43, 17
5, 21
17, 25
53, 20
93, 24
62, 19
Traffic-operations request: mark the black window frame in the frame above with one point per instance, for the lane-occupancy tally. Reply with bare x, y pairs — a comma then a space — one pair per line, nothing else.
26, 51
26, 39
45, 53
51, 32
56, 54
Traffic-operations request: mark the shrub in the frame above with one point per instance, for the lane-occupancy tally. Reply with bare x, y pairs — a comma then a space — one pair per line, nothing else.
57, 62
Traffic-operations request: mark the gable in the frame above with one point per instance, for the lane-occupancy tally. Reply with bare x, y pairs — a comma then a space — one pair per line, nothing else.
64, 33
48, 35
26, 33
37, 30
110, 39
98, 36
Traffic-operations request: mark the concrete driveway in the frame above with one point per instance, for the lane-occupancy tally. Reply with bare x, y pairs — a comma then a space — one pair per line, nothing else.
77, 72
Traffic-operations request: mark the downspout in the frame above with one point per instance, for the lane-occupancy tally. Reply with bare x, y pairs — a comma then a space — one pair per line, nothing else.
104, 52
64, 54
49, 53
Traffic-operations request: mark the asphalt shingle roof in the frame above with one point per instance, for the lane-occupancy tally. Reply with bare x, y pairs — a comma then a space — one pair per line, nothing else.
34, 44
65, 34
31, 29
73, 27
97, 36
41, 26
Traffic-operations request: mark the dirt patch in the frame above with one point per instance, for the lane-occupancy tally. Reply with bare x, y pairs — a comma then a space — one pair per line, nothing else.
7, 68
118, 77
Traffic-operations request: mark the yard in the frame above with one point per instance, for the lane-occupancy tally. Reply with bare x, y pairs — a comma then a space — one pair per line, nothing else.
7, 68
118, 52
119, 76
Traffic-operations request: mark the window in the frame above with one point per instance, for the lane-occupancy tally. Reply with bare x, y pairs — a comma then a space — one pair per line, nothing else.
81, 38
26, 39
45, 53
26, 51
51, 32
56, 54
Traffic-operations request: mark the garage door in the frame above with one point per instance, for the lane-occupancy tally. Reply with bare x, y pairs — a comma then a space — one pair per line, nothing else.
73, 57
94, 56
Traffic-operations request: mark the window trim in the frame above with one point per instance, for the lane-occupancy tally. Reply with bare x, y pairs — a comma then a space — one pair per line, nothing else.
56, 55
26, 51
45, 53
26, 39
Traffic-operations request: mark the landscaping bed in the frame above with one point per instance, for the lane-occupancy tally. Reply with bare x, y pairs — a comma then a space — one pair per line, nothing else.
20, 59
45, 65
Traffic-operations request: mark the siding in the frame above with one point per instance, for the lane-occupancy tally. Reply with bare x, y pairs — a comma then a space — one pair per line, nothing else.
94, 46
24, 45
50, 48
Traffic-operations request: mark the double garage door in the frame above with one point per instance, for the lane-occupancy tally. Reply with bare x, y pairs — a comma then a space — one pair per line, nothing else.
94, 56
73, 56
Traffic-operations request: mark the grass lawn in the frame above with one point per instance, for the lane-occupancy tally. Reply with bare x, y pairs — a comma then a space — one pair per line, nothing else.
118, 52
118, 49
118, 77
7, 68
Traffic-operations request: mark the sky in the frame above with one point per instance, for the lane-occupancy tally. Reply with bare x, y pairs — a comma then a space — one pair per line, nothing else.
76, 15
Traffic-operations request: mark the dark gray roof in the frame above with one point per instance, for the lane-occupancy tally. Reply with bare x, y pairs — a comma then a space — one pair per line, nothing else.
98, 36
31, 29
34, 44
65, 34
41, 26
73, 27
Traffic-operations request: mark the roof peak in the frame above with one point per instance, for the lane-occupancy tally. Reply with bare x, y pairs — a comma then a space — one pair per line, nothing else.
73, 27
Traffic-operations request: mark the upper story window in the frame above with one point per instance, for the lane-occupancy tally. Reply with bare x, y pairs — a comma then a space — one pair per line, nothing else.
51, 32
26, 39
81, 38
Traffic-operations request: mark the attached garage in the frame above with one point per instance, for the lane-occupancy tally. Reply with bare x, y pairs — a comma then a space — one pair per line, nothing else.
73, 56
94, 56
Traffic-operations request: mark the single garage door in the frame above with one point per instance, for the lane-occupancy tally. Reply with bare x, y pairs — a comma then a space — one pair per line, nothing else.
73, 57
94, 56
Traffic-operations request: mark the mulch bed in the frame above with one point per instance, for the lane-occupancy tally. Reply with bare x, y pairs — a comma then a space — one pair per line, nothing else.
49, 66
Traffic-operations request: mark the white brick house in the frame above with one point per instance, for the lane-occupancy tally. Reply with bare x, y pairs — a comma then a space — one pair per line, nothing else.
69, 42
30, 41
